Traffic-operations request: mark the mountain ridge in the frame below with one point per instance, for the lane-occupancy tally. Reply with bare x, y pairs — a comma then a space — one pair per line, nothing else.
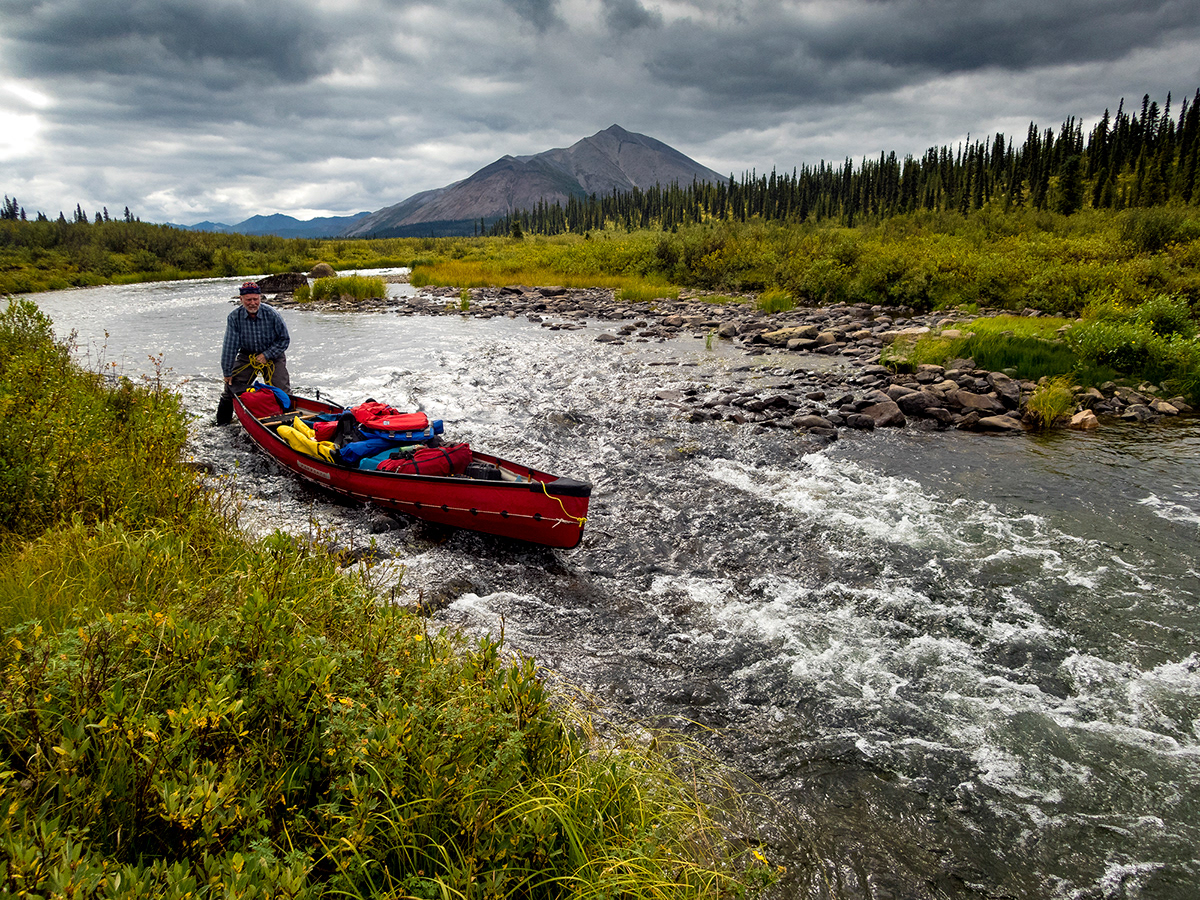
612, 159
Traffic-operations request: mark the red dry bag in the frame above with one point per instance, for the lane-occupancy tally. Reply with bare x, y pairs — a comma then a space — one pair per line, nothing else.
452, 459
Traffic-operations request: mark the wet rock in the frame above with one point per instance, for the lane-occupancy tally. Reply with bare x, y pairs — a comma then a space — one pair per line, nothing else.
940, 414
1084, 420
999, 425
442, 594
1140, 412
729, 330
698, 693
811, 421
968, 421
1008, 391
283, 283
928, 373
1131, 397
380, 523
885, 414
780, 337
969, 400
916, 403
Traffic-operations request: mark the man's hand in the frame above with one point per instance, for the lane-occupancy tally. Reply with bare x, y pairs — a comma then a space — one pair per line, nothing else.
261, 359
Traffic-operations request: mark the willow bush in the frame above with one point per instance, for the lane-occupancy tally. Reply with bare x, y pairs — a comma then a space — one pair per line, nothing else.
151, 752
90, 445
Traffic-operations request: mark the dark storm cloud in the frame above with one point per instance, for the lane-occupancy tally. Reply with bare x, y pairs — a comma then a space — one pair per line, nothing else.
628, 15
772, 54
541, 13
224, 108
223, 44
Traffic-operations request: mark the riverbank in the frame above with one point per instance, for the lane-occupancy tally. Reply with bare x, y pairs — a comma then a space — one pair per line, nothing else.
862, 394
188, 711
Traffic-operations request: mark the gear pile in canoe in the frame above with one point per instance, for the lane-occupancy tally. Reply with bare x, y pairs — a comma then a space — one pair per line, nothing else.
374, 453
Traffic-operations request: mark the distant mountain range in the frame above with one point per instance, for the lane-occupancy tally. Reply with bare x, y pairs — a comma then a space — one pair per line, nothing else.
610, 160
282, 226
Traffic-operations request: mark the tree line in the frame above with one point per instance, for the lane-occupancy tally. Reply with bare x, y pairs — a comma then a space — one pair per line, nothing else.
1144, 158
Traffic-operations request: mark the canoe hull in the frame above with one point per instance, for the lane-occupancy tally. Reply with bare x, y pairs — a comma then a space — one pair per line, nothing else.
543, 509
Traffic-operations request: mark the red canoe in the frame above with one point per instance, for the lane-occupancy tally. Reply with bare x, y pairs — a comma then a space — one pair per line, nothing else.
524, 503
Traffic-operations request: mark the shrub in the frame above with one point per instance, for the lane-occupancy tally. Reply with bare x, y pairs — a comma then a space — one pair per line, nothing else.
94, 446
1134, 348
151, 750
1153, 229
1167, 315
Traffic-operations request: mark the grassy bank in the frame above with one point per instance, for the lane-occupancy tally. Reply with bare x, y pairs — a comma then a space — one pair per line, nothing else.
1007, 260
186, 712
1156, 342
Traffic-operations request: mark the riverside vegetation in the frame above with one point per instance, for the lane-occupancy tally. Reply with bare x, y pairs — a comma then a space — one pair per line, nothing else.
187, 712
1126, 281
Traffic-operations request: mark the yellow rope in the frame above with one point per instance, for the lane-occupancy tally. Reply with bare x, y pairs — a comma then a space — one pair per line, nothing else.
264, 371
581, 520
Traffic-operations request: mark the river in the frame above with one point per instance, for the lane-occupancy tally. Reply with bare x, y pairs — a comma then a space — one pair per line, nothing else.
957, 666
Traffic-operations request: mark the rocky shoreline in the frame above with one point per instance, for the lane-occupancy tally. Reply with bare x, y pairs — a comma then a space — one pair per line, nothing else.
819, 404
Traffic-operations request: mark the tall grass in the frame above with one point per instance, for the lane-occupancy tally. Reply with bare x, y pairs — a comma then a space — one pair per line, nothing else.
1052, 401
357, 287
1027, 347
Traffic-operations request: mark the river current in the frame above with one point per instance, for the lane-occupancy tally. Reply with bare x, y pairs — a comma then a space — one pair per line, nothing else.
955, 665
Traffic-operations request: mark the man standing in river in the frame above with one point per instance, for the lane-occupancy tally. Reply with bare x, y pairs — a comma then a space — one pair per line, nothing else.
255, 340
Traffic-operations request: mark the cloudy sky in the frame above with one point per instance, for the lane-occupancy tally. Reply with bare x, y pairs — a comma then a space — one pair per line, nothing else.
187, 110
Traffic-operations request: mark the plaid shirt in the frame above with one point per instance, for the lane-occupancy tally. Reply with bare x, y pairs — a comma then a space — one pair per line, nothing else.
266, 333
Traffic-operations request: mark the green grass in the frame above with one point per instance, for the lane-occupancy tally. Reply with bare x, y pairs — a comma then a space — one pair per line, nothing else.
647, 292
1026, 347
357, 287
775, 301
1052, 401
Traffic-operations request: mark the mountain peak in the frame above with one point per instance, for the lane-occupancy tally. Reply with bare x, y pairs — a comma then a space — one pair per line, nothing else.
610, 160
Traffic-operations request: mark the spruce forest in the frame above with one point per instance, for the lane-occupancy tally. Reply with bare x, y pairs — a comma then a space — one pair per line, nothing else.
1143, 159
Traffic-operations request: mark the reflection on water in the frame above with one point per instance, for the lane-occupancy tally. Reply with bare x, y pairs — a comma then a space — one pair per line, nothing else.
963, 666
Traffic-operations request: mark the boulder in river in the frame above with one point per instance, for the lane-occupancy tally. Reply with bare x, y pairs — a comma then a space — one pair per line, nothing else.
885, 414
283, 283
